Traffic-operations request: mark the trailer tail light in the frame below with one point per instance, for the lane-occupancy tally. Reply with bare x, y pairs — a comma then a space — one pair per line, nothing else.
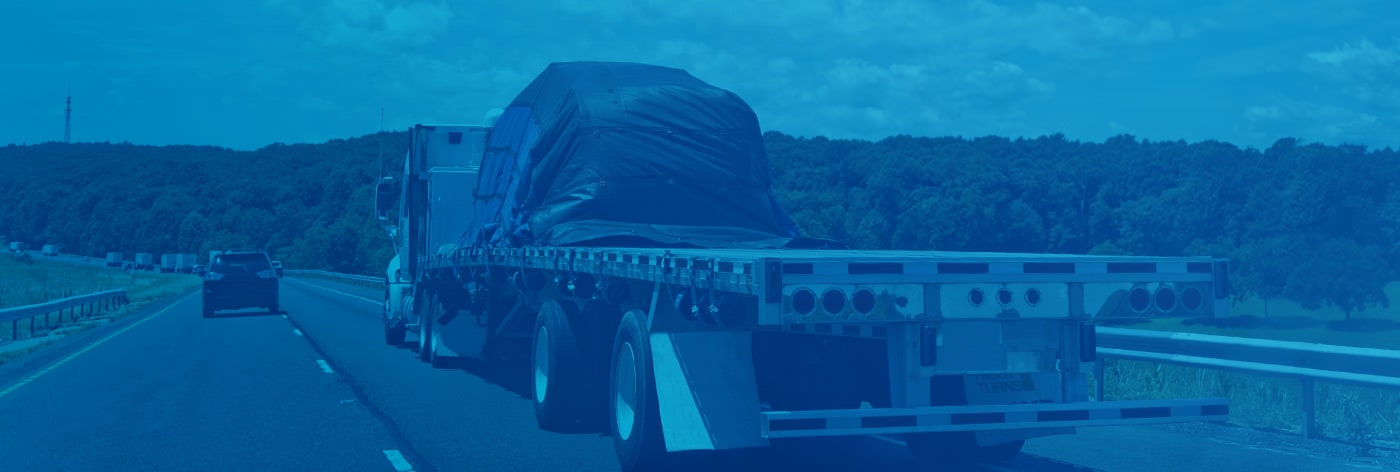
834, 301
1166, 298
976, 296
1138, 299
863, 301
804, 301
1191, 299
1004, 296
1033, 296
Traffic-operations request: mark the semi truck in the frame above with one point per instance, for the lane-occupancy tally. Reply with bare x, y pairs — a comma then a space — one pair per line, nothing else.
614, 227
114, 259
167, 263
185, 262
50, 250
145, 261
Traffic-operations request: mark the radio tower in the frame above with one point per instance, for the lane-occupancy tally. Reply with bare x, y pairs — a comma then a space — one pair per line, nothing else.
68, 116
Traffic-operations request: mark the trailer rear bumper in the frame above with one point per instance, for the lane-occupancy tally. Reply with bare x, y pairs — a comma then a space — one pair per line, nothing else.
816, 423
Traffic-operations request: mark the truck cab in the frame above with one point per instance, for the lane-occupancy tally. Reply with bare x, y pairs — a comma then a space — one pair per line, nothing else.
439, 174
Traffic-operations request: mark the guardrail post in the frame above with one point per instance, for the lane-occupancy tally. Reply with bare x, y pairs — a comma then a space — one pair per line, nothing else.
1309, 411
14, 329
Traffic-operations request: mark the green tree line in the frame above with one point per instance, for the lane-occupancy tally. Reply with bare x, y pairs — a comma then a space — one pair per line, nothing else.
1317, 224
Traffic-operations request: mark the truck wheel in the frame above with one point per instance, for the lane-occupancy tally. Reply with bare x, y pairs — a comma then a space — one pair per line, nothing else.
557, 363
635, 423
958, 448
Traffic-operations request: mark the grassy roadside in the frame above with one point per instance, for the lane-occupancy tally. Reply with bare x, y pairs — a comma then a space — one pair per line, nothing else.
29, 280
1351, 414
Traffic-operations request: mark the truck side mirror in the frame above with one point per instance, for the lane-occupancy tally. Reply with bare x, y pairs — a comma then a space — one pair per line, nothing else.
384, 199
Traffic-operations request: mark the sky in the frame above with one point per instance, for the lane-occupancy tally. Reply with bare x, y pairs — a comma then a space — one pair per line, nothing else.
247, 73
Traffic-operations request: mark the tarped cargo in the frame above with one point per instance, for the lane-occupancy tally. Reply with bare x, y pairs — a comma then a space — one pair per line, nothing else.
624, 154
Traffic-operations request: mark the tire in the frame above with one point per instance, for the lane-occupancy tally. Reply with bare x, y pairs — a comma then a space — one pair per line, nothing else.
557, 364
959, 448
637, 437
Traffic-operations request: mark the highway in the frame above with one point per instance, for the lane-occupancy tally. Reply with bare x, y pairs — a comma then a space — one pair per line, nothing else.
315, 388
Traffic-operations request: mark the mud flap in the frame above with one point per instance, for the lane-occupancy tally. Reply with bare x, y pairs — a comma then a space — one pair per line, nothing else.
706, 390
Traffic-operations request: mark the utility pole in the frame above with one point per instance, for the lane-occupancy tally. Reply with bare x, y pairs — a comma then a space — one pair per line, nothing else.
68, 117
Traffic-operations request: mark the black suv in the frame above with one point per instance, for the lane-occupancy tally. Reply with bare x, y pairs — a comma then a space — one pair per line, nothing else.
240, 279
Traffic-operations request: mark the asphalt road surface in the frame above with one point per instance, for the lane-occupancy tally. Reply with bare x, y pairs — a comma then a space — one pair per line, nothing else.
317, 389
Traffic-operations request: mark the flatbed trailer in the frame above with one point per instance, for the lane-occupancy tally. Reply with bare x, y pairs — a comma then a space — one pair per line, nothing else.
996, 347
965, 354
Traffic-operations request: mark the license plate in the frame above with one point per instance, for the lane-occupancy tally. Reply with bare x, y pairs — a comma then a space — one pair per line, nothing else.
1002, 383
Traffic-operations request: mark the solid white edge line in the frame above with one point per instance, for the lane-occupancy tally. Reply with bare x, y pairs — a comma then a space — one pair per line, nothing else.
324, 366
376, 302
398, 461
294, 330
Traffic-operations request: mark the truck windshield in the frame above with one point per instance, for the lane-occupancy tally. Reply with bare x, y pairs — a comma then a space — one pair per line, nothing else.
241, 263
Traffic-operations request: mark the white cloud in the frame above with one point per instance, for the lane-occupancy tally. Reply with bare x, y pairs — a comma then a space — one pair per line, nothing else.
1246, 71
1313, 121
1364, 56
1367, 73
374, 26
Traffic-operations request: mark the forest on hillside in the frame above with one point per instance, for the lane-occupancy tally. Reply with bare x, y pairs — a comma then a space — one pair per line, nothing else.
1317, 224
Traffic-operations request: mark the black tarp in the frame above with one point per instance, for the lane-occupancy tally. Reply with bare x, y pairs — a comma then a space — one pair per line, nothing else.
626, 154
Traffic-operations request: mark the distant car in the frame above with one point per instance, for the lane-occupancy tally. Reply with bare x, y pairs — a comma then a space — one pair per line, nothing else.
277, 265
240, 280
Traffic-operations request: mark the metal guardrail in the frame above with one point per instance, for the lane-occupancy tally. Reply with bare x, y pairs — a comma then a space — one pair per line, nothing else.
1306, 362
78, 306
361, 280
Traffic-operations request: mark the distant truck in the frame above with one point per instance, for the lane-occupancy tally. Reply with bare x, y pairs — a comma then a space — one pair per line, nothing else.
167, 263
16, 247
50, 250
616, 225
145, 261
184, 263
114, 259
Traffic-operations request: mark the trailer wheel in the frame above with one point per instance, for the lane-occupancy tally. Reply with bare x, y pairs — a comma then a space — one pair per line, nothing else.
960, 448
557, 364
636, 423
